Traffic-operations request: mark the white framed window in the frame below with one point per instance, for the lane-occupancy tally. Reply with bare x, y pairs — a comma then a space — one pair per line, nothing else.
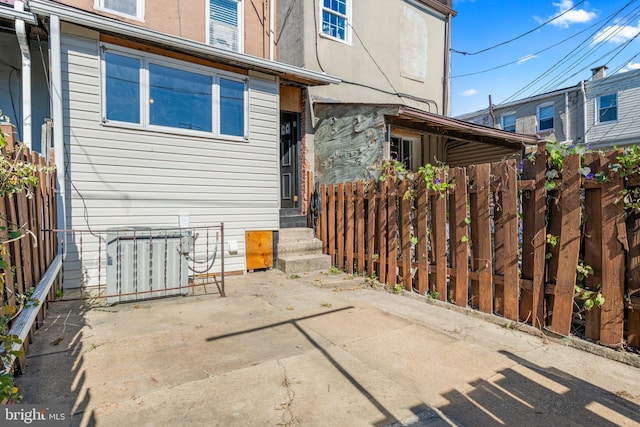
153, 92
509, 122
401, 149
546, 115
335, 19
225, 24
125, 8
607, 106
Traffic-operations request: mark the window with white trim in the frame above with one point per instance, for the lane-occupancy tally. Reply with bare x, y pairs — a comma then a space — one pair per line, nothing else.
509, 122
150, 91
608, 108
225, 24
400, 149
127, 8
335, 18
546, 115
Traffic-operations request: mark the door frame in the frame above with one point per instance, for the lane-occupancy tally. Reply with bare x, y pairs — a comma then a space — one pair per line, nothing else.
296, 164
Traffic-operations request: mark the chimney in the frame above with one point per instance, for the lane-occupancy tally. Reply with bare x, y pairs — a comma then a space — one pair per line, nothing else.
598, 72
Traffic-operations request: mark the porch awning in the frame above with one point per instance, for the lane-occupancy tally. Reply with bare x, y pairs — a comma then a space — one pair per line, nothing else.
457, 129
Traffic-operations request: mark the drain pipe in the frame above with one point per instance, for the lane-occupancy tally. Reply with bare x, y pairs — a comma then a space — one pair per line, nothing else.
23, 41
271, 29
55, 66
584, 113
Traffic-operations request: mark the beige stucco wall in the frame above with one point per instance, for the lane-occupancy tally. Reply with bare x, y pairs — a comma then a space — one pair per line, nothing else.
395, 46
188, 19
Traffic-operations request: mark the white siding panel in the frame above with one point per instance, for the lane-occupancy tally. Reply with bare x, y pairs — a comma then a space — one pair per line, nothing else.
626, 130
120, 176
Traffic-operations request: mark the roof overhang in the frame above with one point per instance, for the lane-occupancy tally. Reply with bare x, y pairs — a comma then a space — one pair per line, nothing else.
458, 129
8, 12
438, 6
124, 29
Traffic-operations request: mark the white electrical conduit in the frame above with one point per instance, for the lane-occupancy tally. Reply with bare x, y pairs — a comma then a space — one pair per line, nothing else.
23, 41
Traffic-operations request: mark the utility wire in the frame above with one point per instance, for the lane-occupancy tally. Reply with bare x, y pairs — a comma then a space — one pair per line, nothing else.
520, 36
565, 58
533, 54
562, 75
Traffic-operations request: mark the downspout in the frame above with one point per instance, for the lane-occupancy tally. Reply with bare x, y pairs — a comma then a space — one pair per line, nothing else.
447, 71
23, 41
55, 66
272, 14
567, 123
584, 113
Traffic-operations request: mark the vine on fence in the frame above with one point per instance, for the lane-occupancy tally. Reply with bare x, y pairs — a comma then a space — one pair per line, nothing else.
16, 176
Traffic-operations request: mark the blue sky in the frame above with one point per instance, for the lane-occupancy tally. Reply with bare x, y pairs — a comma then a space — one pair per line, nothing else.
556, 55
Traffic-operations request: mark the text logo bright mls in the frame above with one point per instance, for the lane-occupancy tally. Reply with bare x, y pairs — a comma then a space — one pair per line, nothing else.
34, 415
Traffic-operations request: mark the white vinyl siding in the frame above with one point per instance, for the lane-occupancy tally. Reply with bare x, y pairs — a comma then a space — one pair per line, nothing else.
122, 176
626, 129
225, 19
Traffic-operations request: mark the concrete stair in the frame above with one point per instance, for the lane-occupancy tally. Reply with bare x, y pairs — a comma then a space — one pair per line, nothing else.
299, 251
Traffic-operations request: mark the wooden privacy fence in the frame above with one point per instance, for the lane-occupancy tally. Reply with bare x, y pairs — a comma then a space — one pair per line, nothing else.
499, 242
33, 218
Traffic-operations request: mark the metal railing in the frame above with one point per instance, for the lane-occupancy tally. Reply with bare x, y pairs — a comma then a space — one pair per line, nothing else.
134, 263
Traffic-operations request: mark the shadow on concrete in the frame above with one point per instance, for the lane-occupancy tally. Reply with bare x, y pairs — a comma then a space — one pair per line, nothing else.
54, 372
389, 419
531, 395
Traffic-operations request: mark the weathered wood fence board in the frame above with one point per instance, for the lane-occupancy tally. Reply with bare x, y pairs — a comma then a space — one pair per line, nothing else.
568, 247
592, 243
422, 256
459, 237
613, 238
498, 244
35, 219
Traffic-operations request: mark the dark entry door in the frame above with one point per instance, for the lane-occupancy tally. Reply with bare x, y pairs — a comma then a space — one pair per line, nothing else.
289, 159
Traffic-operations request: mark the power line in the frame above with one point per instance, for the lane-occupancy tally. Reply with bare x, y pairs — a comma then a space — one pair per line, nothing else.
533, 54
562, 75
520, 36
566, 57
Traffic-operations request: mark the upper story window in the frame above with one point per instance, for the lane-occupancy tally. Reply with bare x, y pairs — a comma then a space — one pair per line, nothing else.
126, 8
225, 24
336, 16
546, 115
608, 108
148, 91
509, 122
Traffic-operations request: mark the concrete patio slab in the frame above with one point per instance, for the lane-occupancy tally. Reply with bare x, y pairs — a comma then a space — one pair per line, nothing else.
313, 350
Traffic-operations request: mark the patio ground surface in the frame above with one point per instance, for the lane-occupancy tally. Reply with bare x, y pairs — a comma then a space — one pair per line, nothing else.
317, 350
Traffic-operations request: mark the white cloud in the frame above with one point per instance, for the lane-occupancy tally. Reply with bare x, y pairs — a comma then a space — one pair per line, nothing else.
616, 34
469, 92
526, 58
573, 16
630, 66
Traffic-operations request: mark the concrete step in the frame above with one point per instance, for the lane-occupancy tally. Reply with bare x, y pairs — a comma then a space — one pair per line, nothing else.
306, 247
296, 234
290, 264
293, 221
